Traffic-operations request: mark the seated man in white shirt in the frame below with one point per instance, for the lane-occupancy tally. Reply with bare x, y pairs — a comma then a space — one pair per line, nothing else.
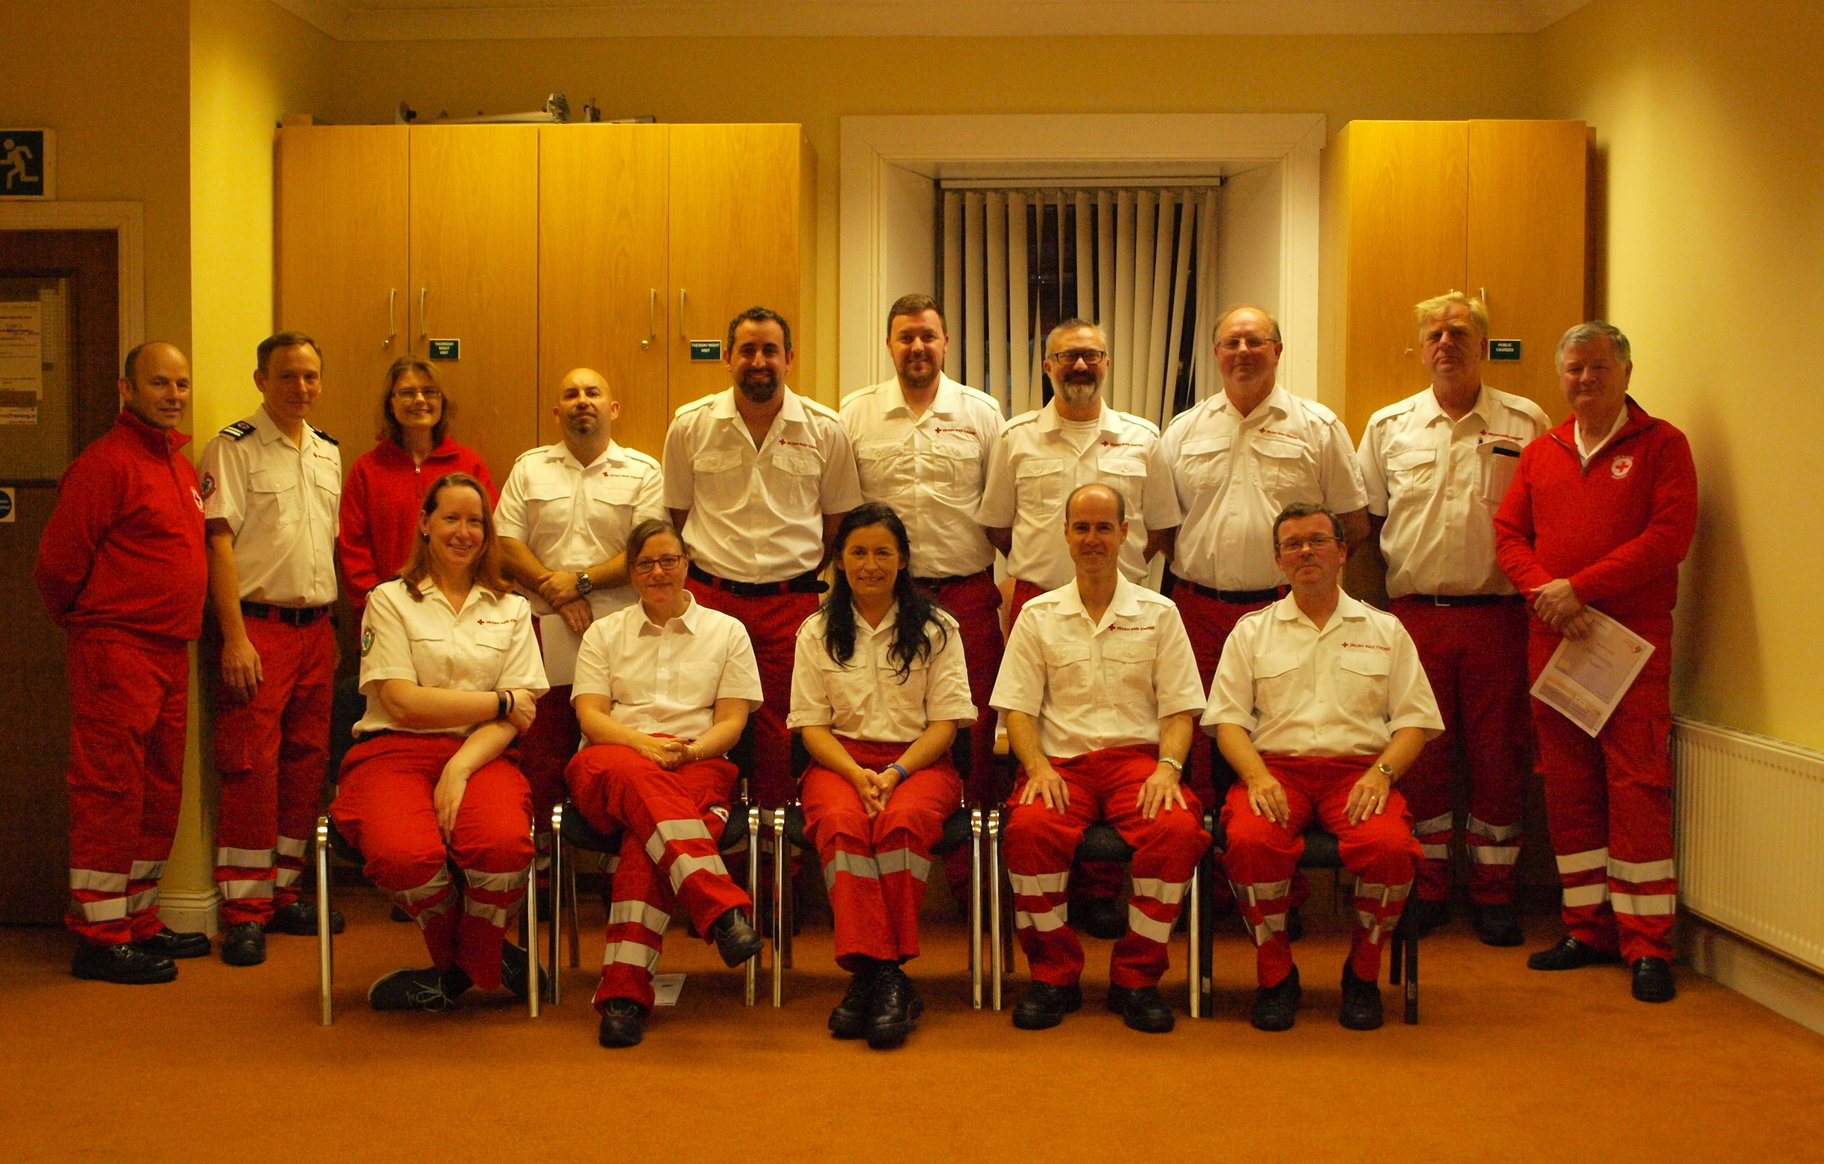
1319, 704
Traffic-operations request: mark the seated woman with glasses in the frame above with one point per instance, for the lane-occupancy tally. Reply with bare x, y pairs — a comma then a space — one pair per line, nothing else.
663, 690
879, 688
379, 520
451, 672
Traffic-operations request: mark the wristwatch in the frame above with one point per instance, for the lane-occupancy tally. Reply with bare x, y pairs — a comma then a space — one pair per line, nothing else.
583, 585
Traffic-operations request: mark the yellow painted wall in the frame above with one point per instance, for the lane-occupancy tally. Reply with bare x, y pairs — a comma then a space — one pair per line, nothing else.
1708, 124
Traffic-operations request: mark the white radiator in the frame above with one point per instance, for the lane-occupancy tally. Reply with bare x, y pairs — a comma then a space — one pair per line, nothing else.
1751, 837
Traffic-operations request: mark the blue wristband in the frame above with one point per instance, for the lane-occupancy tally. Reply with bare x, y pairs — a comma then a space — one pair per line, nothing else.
901, 769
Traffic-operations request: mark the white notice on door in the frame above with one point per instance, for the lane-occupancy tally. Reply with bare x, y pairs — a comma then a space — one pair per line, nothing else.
21, 362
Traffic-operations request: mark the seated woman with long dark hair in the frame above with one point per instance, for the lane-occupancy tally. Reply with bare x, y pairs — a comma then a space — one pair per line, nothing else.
879, 688
451, 672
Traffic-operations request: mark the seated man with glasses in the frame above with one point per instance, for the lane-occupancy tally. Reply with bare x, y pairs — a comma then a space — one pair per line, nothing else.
1319, 704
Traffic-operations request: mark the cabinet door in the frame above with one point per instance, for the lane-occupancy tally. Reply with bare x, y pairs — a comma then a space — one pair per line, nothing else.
738, 234
1526, 244
604, 293
474, 264
342, 277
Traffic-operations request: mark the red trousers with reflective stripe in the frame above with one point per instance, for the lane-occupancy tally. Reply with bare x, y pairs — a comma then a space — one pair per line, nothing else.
544, 749
1608, 803
976, 604
772, 623
673, 821
384, 807
1262, 856
270, 756
1475, 657
127, 714
1040, 842
875, 868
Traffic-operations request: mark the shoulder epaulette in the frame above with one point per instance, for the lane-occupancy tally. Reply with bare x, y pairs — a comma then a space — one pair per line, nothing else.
325, 436
238, 430
1024, 418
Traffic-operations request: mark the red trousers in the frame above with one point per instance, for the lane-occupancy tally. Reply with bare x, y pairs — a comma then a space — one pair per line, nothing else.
772, 623
544, 749
1261, 857
1208, 623
976, 604
383, 806
1475, 657
875, 868
1608, 802
270, 756
1040, 842
127, 714
673, 821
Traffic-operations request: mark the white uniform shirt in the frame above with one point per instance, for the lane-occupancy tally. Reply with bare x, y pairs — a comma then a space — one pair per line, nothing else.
1439, 482
930, 470
866, 700
1035, 470
665, 680
486, 646
1342, 691
1098, 685
1234, 474
281, 500
572, 516
756, 514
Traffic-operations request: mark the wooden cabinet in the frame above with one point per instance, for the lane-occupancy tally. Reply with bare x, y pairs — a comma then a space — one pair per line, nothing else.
1412, 209
542, 249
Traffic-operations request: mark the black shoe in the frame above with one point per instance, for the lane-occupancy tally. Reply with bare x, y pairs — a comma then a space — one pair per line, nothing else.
1653, 980
1496, 925
850, 1018
1425, 915
513, 973
1046, 1005
428, 989
1099, 917
896, 1007
1141, 1008
300, 918
1276, 1007
1361, 1002
168, 943
734, 938
623, 1023
1570, 954
124, 963
244, 944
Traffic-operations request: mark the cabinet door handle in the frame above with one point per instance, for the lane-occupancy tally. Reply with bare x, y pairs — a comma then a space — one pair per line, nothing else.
652, 317
683, 332
424, 324
392, 326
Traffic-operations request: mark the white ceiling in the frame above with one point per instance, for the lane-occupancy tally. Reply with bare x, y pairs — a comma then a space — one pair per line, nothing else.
563, 19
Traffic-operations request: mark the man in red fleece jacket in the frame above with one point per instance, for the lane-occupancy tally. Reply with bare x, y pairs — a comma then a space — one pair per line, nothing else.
1599, 516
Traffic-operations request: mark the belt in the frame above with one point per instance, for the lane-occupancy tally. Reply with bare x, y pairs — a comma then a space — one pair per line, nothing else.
1459, 599
951, 580
1235, 597
805, 583
289, 615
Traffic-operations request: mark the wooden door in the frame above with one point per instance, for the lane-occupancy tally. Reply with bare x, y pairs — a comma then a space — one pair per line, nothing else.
604, 292
66, 286
1526, 244
343, 277
474, 278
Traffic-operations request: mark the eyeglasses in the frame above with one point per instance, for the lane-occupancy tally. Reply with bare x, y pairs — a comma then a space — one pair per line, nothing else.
429, 395
1253, 343
665, 562
1315, 541
1090, 356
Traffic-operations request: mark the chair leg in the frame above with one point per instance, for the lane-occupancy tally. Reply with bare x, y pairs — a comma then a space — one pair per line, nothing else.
534, 995
1206, 936
1411, 945
1194, 947
325, 967
780, 939
975, 908
996, 956
557, 903
751, 972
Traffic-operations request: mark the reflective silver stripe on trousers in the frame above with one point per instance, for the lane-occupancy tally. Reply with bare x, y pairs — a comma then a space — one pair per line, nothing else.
1581, 895
630, 954
1148, 927
144, 899
1442, 823
244, 858
285, 878
1382, 893
245, 890
1645, 904
684, 866
107, 909
496, 882
1045, 919
903, 861
1256, 892
1435, 852
147, 870
439, 881
1271, 924
1164, 892
97, 881
1494, 854
1583, 862
854, 864
1495, 833
492, 914
674, 830
1642, 871
1039, 884
640, 914
292, 847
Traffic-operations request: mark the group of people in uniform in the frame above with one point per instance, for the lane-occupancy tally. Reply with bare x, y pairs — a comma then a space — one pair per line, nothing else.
607, 626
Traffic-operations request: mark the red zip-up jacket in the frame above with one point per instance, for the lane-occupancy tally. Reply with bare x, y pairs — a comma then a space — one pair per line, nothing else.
122, 557
380, 503
1617, 529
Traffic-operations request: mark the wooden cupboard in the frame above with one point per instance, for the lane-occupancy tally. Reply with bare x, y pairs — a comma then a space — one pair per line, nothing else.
1412, 209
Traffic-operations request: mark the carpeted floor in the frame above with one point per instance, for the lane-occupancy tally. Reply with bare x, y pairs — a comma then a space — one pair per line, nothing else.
1506, 1064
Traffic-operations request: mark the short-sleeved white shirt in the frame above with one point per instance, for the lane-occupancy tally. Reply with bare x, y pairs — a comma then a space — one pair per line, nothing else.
1234, 474
1035, 470
1098, 685
1342, 691
572, 515
931, 469
756, 514
1438, 482
867, 700
665, 680
282, 501
485, 646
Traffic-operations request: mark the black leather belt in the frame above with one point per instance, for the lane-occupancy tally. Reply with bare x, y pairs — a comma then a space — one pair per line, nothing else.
289, 615
1459, 599
952, 580
1236, 597
805, 583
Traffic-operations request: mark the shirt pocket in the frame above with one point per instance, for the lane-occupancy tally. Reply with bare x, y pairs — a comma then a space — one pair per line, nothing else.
721, 477
548, 511
272, 497
886, 468
1038, 486
1127, 474
903, 698
696, 684
611, 509
1500, 461
1129, 661
1411, 473
1071, 672
1279, 681
1286, 469
956, 472
1203, 463
431, 658
1361, 681
797, 480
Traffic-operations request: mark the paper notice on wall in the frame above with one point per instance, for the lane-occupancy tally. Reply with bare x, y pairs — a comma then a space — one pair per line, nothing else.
21, 362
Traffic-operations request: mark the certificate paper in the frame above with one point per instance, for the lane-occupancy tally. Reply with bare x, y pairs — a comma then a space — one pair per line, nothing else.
560, 644
1586, 678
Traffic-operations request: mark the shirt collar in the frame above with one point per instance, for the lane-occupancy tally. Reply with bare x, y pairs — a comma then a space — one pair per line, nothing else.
689, 623
1051, 420
1347, 608
792, 410
1124, 603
